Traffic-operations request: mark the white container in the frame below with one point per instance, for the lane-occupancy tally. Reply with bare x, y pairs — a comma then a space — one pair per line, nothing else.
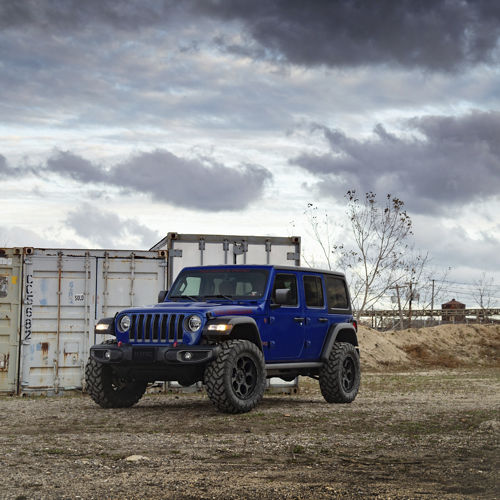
184, 250
64, 293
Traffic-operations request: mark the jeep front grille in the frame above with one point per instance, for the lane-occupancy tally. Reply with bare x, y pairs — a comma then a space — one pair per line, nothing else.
156, 328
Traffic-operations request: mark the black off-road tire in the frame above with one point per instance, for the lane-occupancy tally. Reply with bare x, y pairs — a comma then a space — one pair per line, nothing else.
340, 376
107, 390
236, 380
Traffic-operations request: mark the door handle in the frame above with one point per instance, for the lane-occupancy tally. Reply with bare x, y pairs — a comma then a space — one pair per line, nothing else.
299, 319
323, 320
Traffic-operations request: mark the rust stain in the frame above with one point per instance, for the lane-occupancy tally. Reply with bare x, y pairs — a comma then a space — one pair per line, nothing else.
45, 348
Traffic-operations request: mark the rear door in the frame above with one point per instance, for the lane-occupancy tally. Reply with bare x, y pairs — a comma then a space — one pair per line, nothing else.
316, 315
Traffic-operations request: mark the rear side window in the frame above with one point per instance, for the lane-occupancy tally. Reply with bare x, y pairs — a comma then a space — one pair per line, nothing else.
313, 290
288, 282
336, 293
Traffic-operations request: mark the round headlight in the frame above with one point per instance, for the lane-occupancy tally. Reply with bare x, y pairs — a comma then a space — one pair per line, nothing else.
124, 323
193, 323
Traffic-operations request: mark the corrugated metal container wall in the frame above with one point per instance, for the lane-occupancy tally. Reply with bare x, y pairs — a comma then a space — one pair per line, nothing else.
11, 261
65, 292
184, 250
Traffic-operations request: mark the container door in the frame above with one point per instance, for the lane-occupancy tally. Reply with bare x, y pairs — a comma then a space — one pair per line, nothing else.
10, 314
59, 298
127, 281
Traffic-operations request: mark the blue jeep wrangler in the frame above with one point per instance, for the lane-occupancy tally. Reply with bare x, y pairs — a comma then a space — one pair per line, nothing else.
232, 327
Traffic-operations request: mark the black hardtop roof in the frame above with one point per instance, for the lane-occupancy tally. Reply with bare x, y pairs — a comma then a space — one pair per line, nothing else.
270, 266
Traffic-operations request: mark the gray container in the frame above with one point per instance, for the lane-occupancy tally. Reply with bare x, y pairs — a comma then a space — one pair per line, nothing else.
64, 293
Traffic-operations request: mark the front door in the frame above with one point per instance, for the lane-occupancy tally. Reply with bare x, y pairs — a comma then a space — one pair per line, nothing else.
285, 332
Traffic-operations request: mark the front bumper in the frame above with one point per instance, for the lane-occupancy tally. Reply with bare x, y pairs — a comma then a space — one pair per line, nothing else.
130, 354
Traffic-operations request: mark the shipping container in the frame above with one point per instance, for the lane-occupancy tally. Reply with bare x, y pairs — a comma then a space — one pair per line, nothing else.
50, 299
54, 298
183, 250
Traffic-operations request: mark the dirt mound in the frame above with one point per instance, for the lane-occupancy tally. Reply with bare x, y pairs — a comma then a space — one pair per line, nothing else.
445, 345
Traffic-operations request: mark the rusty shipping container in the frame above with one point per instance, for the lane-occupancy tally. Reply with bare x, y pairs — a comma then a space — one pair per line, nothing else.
50, 300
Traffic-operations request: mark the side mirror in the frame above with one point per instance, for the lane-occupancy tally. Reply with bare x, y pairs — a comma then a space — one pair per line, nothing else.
162, 295
281, 297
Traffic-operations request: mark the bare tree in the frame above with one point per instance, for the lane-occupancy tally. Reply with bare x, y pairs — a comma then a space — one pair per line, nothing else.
322, 233
380, 255
483, 292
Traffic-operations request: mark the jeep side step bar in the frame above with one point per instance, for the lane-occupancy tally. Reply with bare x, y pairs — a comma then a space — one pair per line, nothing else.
291, 366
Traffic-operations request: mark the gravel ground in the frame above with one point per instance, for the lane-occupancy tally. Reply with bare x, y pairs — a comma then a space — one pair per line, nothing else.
412, 434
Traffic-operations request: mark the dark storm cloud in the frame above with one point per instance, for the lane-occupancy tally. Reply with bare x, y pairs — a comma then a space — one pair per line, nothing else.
107, 229
433, 34
449, 161
68, 15
75, 167
191, 183
195, 184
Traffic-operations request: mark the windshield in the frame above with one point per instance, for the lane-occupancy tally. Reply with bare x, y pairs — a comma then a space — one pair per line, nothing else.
196, 284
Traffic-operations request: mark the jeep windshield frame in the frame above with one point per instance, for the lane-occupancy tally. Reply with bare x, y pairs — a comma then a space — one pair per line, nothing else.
221, 283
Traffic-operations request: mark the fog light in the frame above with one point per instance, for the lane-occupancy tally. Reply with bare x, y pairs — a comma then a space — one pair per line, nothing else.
187, 356
107, 355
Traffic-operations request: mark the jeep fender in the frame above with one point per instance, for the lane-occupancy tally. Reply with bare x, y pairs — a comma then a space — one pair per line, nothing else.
243, 327
339, 332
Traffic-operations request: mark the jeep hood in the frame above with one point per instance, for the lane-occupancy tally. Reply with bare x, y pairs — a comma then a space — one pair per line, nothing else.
207, 308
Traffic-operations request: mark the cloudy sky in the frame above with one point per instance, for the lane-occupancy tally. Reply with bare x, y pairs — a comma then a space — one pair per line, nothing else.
123, 120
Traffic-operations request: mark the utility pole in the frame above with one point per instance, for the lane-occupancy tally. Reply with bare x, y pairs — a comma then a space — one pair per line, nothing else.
399, 307
432, 303
409, 304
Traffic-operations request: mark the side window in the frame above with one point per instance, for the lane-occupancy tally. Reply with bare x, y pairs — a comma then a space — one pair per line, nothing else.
313, 289
289, 282
336, 293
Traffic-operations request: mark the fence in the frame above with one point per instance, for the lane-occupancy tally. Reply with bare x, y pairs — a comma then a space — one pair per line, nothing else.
390, 318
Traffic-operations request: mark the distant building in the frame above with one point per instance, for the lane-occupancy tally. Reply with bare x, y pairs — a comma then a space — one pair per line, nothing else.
450, 311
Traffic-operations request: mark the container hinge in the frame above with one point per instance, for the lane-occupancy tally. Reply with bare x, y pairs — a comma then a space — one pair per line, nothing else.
292, 256
240, 248
175, 252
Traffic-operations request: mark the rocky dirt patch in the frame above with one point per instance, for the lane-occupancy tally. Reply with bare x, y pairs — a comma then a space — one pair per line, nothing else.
412, 434
448, 346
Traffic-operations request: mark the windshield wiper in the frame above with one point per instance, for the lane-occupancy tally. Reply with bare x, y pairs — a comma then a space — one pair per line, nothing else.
190, 297
219, 296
